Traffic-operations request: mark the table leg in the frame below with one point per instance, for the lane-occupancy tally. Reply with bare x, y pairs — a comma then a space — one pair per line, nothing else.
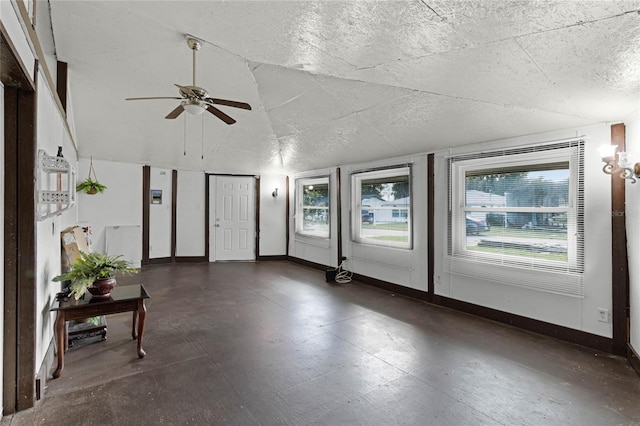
142, 314
61, 336
133, 328
66, 336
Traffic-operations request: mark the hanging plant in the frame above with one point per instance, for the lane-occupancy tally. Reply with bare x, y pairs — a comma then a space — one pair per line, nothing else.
91, 185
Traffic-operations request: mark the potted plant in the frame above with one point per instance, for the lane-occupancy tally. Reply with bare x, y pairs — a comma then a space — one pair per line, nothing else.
94, 272
90, 186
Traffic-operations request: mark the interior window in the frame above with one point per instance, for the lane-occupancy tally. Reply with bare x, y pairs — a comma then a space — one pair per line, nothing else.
518, 210
312, 215
382, 207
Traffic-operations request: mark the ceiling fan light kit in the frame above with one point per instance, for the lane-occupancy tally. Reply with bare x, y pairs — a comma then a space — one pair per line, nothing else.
196, 100
195, 108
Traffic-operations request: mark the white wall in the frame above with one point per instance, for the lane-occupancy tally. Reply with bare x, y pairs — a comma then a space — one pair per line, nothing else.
312, 249
273, 216
120, 204
572, 312
633, 231
190, 237
406, 267
51, 133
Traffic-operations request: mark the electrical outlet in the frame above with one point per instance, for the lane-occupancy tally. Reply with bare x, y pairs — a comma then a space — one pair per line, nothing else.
603, 315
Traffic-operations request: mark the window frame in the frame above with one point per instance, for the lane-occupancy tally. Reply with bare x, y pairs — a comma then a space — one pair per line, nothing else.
564, 277
356, 204
300, 183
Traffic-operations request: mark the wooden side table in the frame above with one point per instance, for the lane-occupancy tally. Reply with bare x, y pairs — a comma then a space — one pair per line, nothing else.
128, 298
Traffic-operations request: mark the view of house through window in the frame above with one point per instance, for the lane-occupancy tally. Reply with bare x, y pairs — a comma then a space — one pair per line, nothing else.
520, 212
521, 209
382, 207
313, 207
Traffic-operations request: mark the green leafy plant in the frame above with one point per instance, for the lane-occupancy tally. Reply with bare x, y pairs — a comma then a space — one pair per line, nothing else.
90, 186
90, 267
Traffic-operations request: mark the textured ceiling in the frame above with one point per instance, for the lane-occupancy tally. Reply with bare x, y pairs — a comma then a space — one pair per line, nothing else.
334, 82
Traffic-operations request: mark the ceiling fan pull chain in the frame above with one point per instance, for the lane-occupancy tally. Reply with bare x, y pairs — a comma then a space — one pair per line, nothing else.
185, 136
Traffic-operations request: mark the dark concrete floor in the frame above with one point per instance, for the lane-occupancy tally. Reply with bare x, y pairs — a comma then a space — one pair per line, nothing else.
272, 343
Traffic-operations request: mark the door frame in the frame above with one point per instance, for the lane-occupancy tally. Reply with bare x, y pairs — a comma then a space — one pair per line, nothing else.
207, 212
19, 145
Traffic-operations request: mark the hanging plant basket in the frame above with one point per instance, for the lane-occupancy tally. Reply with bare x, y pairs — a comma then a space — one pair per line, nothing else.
91, 185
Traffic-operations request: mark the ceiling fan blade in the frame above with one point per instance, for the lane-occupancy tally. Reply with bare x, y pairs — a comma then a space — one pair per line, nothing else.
221, 115
160, 97
225, 102
176, 112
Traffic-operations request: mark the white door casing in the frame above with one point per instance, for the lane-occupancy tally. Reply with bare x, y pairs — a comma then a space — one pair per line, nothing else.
232, 218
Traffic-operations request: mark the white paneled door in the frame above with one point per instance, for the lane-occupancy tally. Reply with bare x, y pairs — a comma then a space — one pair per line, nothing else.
233, 217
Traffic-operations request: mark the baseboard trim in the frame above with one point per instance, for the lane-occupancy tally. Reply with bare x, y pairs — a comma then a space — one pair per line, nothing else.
157, 260
633, 358
273, 257
307, 263
394, 288
192, 259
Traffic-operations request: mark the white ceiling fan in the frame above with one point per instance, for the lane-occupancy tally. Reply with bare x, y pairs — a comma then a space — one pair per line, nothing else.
196, 100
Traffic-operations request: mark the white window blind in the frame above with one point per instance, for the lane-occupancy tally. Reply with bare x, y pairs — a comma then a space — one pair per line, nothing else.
516, 216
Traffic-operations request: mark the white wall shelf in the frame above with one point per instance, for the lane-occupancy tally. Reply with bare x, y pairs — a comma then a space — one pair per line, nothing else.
56, 185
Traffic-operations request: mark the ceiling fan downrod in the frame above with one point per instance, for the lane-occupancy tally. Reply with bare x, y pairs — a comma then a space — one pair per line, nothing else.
194, 45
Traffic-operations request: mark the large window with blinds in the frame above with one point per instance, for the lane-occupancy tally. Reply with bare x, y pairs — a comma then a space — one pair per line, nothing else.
381, 207
312, 207
516, 216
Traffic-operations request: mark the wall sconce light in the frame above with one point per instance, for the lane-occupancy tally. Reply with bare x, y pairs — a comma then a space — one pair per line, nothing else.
274, 194
623, 167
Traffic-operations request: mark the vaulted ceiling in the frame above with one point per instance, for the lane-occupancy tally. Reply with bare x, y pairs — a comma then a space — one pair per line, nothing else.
337, 82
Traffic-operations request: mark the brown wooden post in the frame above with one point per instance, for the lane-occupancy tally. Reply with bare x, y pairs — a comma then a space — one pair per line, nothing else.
339, 214
207, 212
146, 199
430, 226
257, 234
61, 83
174, 213
19, 229
287, 215
10, 250
619, 261
26, 255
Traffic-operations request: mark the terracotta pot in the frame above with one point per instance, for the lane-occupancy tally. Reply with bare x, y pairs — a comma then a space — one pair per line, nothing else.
102, 287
